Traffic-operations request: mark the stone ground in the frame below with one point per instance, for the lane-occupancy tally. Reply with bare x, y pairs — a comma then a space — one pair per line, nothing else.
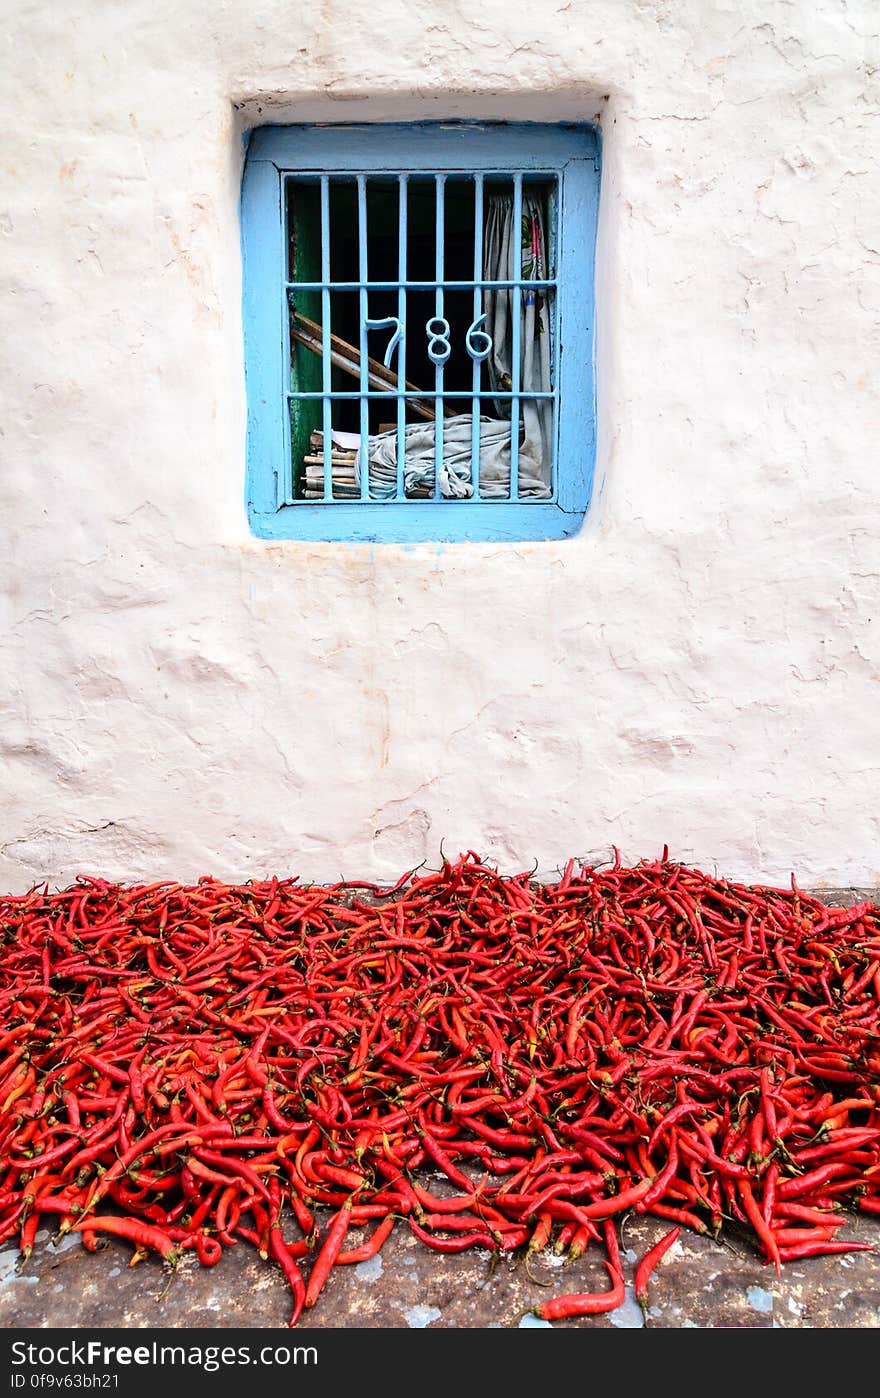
700, 1284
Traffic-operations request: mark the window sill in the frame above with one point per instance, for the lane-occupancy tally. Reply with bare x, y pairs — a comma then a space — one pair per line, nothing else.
443, 522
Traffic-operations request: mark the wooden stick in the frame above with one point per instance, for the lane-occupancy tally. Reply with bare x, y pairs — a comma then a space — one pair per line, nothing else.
348, 357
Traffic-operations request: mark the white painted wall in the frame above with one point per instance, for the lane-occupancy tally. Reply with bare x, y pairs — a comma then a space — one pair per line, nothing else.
698, 667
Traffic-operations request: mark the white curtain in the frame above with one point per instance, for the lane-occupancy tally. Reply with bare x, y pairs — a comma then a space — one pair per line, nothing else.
536, 417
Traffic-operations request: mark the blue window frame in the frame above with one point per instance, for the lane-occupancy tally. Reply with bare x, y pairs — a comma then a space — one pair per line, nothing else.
419, 330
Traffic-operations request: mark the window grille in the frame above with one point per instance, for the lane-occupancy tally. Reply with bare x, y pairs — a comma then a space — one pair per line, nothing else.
419, 330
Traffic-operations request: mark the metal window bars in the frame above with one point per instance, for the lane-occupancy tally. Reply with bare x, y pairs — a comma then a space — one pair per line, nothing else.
365, 429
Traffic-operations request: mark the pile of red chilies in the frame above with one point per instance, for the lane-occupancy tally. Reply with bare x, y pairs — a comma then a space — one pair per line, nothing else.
488, 1061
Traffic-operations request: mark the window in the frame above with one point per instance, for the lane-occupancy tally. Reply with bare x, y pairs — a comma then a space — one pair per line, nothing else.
418, 317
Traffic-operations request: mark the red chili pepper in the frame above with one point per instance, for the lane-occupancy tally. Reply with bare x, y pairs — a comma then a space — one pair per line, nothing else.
555, 1038
372, 1246
821, 1249
328, 1253
789, 1237
441, 1158
619, 1203
143, 1234
812, 1180
208, 1250
759, 1223
650, 1261
682, 1216
292, 1273
479, 1238
584, 1303
217, 1161
580, 1241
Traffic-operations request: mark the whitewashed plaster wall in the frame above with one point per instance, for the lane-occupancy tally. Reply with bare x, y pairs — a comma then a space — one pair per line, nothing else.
699, 666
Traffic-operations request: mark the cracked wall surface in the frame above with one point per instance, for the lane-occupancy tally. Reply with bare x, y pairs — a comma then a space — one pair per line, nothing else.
698, 667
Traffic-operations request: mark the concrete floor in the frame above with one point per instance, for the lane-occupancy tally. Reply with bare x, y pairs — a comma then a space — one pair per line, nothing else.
700, 1284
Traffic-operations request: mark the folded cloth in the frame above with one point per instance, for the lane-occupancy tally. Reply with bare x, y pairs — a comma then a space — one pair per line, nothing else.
455, 472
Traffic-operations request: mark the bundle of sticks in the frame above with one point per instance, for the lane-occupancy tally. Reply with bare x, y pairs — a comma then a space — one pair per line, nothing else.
343, 476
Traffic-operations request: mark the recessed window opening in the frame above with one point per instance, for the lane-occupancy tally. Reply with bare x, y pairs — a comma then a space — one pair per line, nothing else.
450, 319
419, 330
